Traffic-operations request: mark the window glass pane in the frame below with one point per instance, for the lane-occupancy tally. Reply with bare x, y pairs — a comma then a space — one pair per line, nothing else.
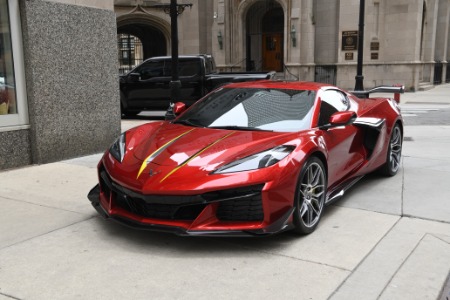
7, 81
335, 99
189, 67
266, 109
332, 102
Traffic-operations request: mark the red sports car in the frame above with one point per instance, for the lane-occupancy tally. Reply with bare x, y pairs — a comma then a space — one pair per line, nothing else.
249, 159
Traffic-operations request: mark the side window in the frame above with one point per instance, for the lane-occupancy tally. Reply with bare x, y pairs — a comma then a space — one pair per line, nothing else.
331, 102
208, 67
189, 67
151, 69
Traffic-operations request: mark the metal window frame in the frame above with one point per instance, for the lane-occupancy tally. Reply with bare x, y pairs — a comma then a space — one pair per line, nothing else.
20, 120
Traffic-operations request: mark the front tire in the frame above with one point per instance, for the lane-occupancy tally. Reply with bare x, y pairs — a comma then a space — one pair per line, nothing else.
394, 153
310, 196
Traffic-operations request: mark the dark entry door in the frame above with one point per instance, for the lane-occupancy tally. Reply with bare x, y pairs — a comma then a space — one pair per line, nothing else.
273, 52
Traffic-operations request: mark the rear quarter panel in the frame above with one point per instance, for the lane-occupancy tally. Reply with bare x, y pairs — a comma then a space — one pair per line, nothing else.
388, 110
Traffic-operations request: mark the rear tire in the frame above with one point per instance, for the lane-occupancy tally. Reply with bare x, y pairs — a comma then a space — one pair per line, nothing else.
394, 153
310, 196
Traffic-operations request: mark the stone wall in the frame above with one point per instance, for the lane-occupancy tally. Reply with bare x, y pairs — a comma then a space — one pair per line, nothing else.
72, 79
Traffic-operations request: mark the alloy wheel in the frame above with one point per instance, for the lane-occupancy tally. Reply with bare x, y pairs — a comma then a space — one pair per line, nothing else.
312, 194
395, 149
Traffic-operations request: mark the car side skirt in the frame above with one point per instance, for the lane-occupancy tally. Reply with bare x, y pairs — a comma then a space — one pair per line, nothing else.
341, 189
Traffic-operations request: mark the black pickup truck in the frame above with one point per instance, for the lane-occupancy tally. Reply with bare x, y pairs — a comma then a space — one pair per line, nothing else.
147, 87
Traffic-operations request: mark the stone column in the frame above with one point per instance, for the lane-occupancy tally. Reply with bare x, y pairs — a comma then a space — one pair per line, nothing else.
72, 78
442, 33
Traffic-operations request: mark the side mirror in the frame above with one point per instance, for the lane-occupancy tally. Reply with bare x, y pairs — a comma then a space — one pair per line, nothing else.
134, 77
174, 110
342, 118
179, 108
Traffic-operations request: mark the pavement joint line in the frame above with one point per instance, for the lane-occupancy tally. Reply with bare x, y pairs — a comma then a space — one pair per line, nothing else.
290, 257
425, 219
402, 195
45, 233
355, 269
401, 265
365, 209
447, 280
42, 205
437, 237
423, 157
9, 296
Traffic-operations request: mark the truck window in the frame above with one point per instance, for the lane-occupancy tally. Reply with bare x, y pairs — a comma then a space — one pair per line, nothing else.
185, 68
189, 68
210, 66
151, 69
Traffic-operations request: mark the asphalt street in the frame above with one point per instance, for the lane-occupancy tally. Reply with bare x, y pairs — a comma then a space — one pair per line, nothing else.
388, 238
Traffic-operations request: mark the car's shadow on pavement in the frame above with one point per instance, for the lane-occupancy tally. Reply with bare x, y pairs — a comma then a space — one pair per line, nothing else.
376, 193
171, 244
168, 244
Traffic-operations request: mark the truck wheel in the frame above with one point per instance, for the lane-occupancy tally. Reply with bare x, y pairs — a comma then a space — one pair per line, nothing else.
128, 113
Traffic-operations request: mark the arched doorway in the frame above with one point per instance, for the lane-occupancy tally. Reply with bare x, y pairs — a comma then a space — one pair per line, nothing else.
138, 41
265, 36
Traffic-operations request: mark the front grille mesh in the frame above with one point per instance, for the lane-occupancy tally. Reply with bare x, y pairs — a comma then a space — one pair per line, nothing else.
244, 204
240, 204
140, 207
241, 210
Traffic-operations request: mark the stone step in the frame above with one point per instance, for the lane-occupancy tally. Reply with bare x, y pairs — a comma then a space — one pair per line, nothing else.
425, 86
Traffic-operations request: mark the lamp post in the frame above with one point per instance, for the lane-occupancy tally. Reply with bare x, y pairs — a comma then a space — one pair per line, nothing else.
359, 78
174, 10
175, 83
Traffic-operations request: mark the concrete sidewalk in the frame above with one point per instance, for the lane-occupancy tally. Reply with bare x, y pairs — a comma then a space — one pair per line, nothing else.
388, 238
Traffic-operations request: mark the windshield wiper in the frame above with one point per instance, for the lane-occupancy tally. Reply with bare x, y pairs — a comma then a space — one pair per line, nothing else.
187, 122
234, 127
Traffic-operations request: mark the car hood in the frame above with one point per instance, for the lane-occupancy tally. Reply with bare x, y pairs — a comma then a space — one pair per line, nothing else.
174, 145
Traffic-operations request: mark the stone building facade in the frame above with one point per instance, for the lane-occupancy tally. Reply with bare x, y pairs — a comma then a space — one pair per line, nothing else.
59, 91
406, 41
59, 59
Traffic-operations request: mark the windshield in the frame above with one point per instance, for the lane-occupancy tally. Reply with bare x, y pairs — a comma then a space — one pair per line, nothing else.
253, 109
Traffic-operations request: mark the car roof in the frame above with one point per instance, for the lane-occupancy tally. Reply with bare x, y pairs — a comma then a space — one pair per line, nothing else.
180, 56
291, 85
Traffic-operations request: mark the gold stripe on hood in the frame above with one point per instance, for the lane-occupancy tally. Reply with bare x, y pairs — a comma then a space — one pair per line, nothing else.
158, 151
195, 155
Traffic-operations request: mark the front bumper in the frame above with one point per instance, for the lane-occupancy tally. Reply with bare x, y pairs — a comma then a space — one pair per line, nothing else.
283, 223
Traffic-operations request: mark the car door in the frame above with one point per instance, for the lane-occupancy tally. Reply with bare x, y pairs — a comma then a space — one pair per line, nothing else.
341, 141
190, 78
150, 89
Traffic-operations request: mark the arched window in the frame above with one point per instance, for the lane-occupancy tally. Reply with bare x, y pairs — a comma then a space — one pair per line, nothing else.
130, 52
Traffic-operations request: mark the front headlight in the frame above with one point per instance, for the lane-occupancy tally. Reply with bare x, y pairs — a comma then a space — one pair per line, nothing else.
117, 149
257, 161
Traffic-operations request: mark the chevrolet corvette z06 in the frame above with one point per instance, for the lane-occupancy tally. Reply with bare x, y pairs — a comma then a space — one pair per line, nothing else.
249, 159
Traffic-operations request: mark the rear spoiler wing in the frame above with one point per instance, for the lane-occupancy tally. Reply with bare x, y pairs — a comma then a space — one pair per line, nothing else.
397, 90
